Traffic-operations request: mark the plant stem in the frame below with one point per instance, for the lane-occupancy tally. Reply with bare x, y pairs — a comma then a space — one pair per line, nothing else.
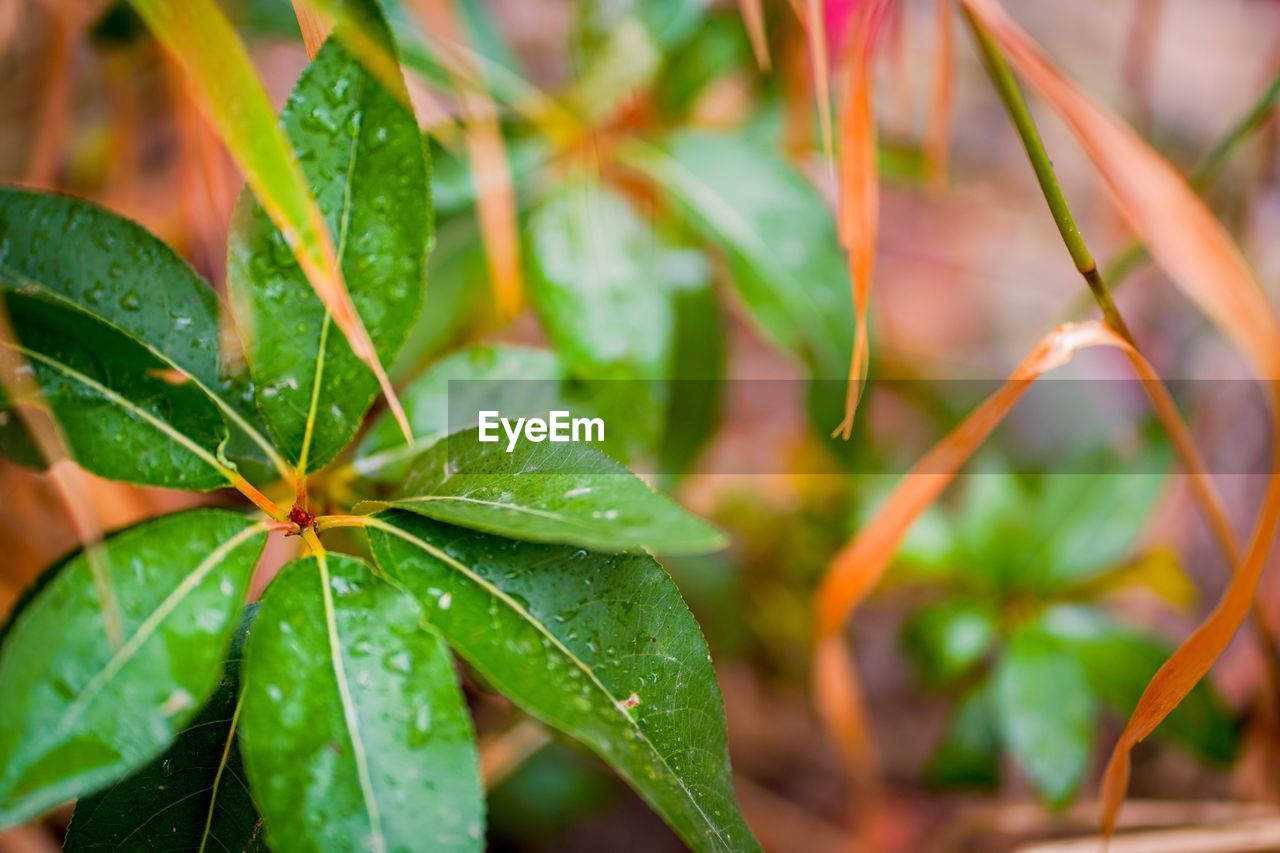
326, 522
1007, 87
1011, 96
260, 500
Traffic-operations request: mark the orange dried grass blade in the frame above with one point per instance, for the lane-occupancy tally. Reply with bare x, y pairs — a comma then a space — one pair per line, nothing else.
20, 386
937, 140
490, 168
1199, 256
859, 199
314, 26
752, 12
816, 31
222, 78
859, 566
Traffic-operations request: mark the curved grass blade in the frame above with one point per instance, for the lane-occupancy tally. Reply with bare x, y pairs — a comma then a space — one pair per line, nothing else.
79, 714
568, 493
627, 673
1200, 257
362, 154
193, 797
201, 40
354, 729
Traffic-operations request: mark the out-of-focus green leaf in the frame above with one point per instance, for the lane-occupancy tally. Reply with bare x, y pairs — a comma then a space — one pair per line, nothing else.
354, 730
969, 753
564, 492
776, 232
697, 370
1046, 712
625, 63
669, 22
360, 149
719, 48
453, 183
79, 713
193, 797
518, 381
603, 282
948, 638
1120, 661
600, 647
119, 409
458, 293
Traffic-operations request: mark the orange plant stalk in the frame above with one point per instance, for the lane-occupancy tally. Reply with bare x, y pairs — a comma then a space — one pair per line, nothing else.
1199, 256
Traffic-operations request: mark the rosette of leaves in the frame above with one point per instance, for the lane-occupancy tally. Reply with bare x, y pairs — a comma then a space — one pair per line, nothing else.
1016, 629
133, 679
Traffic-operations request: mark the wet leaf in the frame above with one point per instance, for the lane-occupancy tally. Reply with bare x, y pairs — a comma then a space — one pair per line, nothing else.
360, 150
79, 714
1046, 712
354, 730
776, 232
192, 797
517, 381
698, 367
600, 647
113, 270
564, 492
121, 414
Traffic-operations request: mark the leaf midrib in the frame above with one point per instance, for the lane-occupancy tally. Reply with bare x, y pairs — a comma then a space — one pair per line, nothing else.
585, 668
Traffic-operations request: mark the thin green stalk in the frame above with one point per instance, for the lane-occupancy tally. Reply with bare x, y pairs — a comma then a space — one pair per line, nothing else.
1020, 114
1011, 96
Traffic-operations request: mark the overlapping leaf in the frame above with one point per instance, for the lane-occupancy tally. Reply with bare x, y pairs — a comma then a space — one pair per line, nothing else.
561, 492
79, 713
601, 647
360, 150
354, 731
193, 797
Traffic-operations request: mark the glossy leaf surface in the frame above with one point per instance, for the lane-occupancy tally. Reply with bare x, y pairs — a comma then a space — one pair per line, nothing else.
564, 492
79, 713
363, 156
354, 731
601, 647
194, 797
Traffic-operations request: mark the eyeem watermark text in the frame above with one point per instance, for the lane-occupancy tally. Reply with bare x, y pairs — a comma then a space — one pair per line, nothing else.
558, 427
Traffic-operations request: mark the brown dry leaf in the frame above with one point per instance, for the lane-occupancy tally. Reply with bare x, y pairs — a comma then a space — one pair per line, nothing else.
859, 195
490, 168
937, 139
1199, 256
816, 32
752, 12
860, 565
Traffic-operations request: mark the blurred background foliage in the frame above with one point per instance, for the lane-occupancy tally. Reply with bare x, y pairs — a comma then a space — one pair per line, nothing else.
622, 192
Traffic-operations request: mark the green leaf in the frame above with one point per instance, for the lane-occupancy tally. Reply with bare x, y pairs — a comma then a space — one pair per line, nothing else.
603, 282
600, 647
122, 416
193, 794
565, 492
776, 232
948, 638
354, 730
698, 368
669, 22
92, 262
1120, 661
1046, 712
969, 753
362, 154
512, 379
79, 713
16, 442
